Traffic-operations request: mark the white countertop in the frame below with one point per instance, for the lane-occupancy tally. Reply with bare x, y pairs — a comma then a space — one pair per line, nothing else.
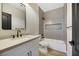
6, 43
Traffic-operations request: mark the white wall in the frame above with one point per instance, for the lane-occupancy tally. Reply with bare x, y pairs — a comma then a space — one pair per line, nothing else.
32, 20
18, 16
53, 17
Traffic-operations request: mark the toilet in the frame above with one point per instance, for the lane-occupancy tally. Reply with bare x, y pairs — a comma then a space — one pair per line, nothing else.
58, 45
43, 45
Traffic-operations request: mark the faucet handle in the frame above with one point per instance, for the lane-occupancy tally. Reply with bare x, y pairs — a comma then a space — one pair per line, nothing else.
20, 35
13, 36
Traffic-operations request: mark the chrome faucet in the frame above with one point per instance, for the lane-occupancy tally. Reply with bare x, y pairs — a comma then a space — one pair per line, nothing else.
18, 32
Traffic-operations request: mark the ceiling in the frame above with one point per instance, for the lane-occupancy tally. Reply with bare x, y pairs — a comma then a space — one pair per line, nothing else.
50, 6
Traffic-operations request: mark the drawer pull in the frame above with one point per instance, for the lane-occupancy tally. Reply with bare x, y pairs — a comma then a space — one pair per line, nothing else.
30, 53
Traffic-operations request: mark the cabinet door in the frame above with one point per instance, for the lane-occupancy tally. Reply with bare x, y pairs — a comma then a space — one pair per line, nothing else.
34, 47
17, 51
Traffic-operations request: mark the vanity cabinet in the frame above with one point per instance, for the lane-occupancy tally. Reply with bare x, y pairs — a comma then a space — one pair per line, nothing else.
30, 48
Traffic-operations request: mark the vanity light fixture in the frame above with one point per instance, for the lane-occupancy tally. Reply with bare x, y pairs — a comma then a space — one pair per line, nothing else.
21, 4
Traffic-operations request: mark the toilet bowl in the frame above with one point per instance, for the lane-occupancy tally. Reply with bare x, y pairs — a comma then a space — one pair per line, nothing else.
43, 46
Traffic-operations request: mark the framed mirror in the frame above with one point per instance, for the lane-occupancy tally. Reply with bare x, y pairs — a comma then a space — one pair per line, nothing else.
13, 16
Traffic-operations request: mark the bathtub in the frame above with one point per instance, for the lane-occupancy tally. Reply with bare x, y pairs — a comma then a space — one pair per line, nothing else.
58, 45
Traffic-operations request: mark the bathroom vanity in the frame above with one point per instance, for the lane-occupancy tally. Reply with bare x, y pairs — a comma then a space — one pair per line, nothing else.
23, 46
17, 19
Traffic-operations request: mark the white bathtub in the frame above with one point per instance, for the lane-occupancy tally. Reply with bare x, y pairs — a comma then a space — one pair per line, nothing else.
58, 45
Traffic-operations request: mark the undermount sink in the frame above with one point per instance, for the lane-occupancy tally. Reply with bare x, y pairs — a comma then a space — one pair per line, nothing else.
23, 37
